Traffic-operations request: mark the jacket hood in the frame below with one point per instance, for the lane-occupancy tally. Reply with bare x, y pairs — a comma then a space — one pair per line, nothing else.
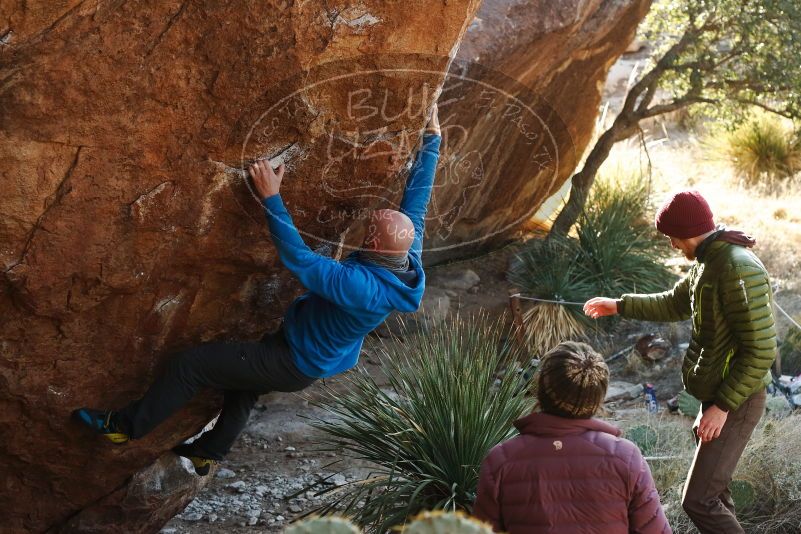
735, 237
543, 424
401, 297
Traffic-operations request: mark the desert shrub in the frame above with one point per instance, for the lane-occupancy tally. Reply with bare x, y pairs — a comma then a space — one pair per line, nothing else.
551, 269
618, 243
427, 432
614, 250
645, 437
790, 350
762, 150
766, 486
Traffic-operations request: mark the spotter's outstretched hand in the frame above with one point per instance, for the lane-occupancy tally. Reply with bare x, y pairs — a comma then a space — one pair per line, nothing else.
600, 307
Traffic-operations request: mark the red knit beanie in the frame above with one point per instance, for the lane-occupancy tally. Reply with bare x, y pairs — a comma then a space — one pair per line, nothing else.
684, 215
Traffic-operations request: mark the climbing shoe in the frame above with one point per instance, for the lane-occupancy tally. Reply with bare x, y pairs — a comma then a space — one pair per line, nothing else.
202, 465
102, 422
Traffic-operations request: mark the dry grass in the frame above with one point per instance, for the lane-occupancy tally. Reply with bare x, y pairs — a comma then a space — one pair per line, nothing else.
547, 325
771, 465
764, 151
774, 218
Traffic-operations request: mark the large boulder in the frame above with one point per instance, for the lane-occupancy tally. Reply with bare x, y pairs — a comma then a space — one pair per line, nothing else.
128, 230
528, 117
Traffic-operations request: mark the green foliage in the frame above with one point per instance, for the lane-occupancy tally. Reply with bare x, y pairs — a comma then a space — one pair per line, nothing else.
688, 405
619, 245
615, 249
743, 494
553, 269
762, 150
323, 525
445, 523
733, 52
790, 351
645, 437
427, 433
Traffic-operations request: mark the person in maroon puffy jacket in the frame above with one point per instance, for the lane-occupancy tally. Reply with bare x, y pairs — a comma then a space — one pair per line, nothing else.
567, 472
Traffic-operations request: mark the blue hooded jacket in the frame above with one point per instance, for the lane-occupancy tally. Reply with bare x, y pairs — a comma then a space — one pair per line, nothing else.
346, 300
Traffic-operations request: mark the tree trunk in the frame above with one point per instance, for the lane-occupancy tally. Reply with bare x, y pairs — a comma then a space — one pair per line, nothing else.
582, 181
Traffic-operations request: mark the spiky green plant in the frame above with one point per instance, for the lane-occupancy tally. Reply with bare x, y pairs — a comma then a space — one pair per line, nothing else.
762, 150
445, 523
323, 525
615, 251
618, 244
551, 269
428, 430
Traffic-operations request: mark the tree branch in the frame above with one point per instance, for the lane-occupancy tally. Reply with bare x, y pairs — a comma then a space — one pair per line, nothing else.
766, 107
678, 103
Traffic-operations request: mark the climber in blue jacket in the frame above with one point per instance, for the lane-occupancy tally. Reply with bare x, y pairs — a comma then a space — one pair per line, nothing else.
322, 331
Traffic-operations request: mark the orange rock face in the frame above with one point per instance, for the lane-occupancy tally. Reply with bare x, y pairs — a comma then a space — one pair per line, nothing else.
127, 227
128, 230
541, 66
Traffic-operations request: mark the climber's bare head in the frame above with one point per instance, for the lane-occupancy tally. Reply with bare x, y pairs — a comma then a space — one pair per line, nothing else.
389, 232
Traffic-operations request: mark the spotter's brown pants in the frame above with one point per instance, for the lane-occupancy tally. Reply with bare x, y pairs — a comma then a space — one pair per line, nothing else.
707, 499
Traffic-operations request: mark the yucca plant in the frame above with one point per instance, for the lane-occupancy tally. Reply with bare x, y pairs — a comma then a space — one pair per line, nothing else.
551, 269
615, 251
547, 324
427, 432
618, 243
762, 150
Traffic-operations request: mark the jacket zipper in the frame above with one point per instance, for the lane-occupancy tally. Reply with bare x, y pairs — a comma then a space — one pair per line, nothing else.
726, 365
700, 308
745, 293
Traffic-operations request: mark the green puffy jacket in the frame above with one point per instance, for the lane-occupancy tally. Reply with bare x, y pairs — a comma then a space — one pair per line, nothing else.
727, 294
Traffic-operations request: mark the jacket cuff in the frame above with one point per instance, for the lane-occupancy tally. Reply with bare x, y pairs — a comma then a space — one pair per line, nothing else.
431, 142
723, 405
620, 308
272, 202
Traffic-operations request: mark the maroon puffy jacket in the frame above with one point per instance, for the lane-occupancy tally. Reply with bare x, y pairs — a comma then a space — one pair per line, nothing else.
568, 476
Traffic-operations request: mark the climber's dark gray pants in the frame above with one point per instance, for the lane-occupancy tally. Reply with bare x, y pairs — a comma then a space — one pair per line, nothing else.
243, 371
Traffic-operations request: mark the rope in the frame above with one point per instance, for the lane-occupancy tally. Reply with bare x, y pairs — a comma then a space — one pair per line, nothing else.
563, 302
568, 303
787, 315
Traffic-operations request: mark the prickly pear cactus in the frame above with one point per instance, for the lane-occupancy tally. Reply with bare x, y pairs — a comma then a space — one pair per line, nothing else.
445, 523
688, 405
743, 494
644, 436
323, 525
